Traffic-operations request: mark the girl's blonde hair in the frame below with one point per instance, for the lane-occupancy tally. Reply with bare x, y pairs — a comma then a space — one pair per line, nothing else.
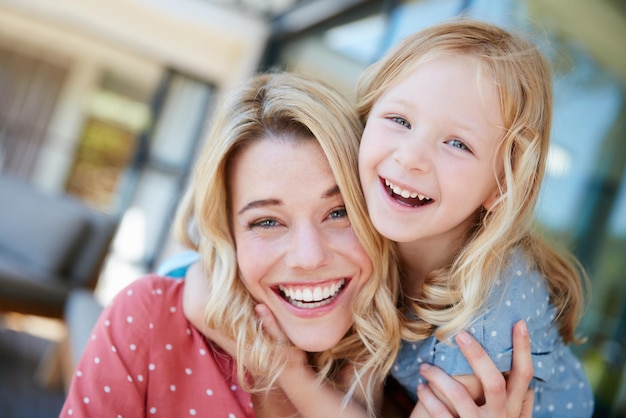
282, 106
453, 295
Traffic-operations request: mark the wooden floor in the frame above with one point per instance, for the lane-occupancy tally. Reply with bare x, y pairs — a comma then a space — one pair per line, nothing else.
21, 396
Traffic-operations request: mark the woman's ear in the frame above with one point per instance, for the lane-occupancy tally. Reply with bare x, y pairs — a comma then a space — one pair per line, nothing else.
492, 200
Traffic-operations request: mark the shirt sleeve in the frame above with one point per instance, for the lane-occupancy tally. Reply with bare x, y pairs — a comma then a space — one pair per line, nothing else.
521, 293
110, 377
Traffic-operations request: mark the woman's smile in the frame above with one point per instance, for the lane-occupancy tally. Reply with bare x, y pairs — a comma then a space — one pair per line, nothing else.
311, 296
297, 251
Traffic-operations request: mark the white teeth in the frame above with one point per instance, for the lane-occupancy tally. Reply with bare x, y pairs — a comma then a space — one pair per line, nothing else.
405, 193
311, 294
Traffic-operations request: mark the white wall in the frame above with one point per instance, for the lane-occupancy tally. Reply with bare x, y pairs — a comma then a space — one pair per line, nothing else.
137, 39
193, 36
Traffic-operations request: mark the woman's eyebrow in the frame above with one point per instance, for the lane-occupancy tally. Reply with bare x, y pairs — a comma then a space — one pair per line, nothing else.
332, 192
260, 203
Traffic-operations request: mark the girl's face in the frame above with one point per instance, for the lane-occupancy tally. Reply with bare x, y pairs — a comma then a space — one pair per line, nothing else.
428, 150
296, 250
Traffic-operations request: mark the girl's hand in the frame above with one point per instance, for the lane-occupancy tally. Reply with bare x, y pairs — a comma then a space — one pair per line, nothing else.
295, 357
510, 398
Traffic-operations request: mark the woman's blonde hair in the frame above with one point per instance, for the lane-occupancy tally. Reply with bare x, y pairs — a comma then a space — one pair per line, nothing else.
453, 295
283, 106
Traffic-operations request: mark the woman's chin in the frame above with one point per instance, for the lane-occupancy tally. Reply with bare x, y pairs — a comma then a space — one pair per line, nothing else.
313, 344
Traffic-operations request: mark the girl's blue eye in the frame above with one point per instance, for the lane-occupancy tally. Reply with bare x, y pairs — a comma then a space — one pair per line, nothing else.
401, 121
456, 143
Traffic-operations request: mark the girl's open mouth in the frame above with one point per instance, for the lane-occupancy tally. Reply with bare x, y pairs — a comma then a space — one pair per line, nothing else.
406, 197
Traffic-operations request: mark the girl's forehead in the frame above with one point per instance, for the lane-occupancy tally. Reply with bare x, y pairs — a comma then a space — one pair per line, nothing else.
482, 71
413, 64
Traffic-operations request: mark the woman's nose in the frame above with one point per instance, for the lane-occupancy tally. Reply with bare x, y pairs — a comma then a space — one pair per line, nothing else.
309, 249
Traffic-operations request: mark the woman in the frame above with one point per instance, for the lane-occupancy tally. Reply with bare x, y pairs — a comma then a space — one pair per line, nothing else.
269, 203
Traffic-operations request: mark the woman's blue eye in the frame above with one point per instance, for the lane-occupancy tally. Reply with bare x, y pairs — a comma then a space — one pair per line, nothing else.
339, 213
401, 121
263, 223
456, 143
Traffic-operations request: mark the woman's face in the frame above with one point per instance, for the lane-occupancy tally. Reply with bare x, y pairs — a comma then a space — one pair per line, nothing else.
296, 250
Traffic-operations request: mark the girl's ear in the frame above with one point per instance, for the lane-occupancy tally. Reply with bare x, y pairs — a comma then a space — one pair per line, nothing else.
492, 200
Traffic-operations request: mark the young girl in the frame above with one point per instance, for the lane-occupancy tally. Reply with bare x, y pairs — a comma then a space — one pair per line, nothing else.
451, 162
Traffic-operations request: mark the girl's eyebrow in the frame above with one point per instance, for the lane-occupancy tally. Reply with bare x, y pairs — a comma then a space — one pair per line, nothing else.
397, 101
332, 192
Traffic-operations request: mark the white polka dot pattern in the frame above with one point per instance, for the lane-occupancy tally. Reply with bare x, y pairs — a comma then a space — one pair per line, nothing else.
561, 387
145, 360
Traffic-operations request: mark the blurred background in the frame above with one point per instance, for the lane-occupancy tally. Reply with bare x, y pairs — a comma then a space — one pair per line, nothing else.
105, 103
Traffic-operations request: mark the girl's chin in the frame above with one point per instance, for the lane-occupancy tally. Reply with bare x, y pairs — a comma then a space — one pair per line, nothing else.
393, 232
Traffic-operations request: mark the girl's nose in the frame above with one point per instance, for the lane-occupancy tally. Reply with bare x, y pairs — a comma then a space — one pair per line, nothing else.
308, 250
414, 155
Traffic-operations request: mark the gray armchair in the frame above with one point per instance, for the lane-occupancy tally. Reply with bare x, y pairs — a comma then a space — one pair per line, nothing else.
49, 246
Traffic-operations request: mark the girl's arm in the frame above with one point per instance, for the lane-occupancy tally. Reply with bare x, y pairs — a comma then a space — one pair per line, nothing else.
299, 383
485, 394
299, 393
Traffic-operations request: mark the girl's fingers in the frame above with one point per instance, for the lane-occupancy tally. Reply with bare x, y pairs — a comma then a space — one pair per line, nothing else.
444, 391
522, 370
294, 355
493, 382
527, 404
269, 324
510, 397
429, 405
444, 395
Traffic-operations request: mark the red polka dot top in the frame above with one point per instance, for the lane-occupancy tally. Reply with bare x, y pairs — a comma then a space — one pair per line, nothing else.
144, 359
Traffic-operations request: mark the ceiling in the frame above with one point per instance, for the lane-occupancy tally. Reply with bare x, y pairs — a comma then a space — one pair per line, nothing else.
292, 16
261, 8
